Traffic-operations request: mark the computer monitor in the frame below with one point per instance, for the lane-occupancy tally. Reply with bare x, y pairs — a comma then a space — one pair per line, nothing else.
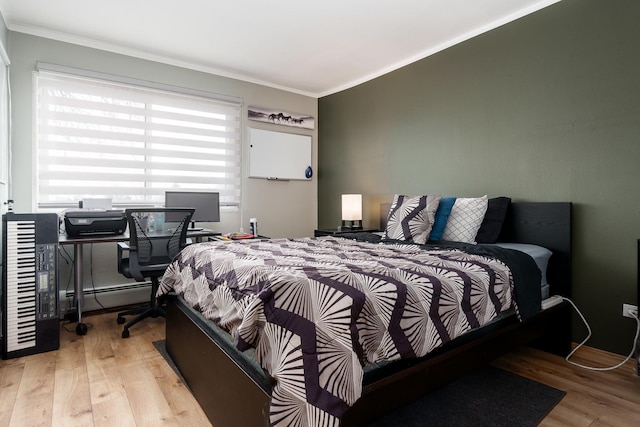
206, 204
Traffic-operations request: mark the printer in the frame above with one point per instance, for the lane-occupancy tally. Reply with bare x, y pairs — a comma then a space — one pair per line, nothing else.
87, 222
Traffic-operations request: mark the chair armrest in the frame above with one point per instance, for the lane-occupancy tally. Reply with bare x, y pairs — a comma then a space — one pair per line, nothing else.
129, 263
122, 247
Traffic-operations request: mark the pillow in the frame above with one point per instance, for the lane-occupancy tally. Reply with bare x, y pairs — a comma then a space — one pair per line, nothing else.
465, 219
411, 218
494, 218
442, 214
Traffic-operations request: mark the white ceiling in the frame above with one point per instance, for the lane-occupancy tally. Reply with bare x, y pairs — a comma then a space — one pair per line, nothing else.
309, 47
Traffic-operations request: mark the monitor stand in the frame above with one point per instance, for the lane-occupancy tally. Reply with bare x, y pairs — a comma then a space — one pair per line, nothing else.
194, 228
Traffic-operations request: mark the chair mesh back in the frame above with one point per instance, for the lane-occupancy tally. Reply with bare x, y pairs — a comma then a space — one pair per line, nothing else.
145, 247
155, 247
174, 245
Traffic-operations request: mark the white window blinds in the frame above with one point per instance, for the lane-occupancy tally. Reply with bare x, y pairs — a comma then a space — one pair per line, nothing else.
97, 138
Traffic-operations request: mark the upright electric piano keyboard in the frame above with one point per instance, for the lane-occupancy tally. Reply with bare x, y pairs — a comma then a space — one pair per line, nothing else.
30, 320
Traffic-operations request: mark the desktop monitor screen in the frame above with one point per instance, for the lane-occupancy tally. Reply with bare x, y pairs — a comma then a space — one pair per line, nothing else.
206, 204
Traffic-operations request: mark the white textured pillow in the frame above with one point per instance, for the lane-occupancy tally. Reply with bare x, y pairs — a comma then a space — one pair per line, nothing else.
411, 218
465, 219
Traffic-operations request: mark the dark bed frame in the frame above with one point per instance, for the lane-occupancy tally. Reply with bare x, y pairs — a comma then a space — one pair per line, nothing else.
233, 391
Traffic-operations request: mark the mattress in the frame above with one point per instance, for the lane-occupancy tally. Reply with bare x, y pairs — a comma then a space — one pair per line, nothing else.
541, 257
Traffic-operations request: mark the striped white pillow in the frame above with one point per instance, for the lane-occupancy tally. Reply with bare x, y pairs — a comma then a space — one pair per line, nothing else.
411, 218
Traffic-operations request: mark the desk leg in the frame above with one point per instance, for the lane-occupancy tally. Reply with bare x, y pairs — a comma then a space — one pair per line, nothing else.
78, 288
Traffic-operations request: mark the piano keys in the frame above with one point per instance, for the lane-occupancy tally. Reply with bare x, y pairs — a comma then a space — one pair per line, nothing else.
30, 315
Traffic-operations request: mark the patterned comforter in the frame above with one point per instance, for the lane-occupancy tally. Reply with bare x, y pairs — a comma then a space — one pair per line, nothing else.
318, 310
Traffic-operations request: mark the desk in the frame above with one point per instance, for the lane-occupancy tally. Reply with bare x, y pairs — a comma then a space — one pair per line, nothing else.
79, 242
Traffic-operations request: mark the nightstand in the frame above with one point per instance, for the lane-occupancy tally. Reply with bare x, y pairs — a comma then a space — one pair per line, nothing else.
335, 232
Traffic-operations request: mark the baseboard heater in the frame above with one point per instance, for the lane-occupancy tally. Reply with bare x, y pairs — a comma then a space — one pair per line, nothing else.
108, 296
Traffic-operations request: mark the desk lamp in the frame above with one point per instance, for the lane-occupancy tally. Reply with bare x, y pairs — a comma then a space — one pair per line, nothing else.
351, 212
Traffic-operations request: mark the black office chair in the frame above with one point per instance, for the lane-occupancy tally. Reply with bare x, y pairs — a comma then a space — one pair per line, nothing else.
150, 253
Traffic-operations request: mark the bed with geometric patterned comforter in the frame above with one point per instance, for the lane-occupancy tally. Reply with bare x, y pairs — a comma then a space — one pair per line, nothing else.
318, 310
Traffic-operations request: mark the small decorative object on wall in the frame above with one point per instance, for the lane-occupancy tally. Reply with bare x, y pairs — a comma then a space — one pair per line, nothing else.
281, 117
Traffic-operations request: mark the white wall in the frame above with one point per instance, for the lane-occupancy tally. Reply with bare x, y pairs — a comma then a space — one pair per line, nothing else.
4, 166
4, 120
283, 209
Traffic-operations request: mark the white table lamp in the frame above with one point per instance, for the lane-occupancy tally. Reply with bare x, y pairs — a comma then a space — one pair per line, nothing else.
351, 212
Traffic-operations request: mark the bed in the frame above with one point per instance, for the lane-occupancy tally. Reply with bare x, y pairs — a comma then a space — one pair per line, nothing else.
233, 389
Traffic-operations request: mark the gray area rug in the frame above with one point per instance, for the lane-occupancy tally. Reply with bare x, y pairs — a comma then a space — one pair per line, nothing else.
489, 397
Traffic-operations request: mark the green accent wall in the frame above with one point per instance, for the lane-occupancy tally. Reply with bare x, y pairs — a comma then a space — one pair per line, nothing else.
545, 108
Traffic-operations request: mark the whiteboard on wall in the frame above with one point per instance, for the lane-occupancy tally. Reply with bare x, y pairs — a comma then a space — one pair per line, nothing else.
278, 155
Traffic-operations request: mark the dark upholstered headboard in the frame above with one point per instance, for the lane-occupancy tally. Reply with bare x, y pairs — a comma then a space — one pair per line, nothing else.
547, 225
384, 215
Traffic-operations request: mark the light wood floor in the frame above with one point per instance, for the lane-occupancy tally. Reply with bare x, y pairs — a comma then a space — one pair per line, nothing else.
101, 379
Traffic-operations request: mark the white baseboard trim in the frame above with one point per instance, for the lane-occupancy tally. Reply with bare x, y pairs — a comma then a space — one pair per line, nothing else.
110, 296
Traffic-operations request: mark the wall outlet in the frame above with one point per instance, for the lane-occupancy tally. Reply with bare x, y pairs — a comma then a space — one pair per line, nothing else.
629, 310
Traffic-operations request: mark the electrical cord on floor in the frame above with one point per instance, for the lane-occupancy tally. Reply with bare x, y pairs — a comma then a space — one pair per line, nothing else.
592, 368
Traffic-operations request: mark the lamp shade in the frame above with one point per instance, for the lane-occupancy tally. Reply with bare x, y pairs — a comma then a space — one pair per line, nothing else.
352, 207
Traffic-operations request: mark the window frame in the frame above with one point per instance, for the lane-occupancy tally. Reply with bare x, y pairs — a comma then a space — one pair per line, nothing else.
229, 186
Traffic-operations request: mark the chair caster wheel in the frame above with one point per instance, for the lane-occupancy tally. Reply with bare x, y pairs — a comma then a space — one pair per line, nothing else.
121, 320
125, 333
81, 329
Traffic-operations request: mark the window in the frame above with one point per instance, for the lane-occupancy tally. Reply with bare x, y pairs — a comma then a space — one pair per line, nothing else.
130, 143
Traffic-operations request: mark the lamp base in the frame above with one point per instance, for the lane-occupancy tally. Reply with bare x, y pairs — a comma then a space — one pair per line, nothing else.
354, 225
